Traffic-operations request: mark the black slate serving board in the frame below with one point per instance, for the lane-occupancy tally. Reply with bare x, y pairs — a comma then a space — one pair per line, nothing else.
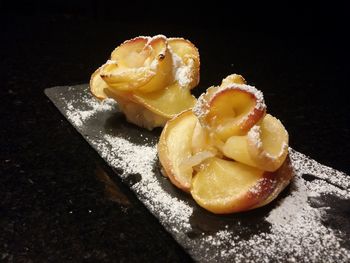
308, 222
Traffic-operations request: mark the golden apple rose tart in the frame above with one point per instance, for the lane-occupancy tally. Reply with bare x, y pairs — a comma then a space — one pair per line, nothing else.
227, 152
150, 78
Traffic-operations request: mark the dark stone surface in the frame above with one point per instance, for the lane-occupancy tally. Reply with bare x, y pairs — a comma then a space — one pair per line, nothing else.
56, 199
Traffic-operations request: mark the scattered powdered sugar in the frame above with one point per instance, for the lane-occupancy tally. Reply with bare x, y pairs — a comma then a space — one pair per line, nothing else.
141, 159
131, 158
298, 230
92, 106
335, 177
169, 209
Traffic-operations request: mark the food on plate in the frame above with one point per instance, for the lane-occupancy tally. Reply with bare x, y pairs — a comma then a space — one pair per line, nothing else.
227, 152
150, 78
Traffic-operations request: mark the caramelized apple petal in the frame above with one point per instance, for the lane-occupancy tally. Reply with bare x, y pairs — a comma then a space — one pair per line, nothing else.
230, 110
224, 187
268, 143
98, 85
167, 102
175, 146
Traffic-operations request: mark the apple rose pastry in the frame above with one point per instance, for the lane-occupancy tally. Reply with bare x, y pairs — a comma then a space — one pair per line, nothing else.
150, 78
227, 152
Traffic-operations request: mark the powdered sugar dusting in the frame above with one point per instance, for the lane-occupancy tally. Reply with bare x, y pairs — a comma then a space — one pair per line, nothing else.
299, 224
78, 117
168, 208
335, 177
121, 153
141, 159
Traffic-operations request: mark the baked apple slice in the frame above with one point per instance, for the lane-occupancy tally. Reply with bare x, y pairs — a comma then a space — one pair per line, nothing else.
161, 62
174, 148
125, 79
203, 100
223, 186
236, 148
98, 86
132, 52
265, 146
200, 139
230, 110
167, 102
268, 143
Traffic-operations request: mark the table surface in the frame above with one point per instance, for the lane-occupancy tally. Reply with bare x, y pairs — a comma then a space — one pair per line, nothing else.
54, 203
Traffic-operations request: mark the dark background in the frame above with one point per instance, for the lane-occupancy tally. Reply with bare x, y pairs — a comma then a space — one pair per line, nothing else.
53, 207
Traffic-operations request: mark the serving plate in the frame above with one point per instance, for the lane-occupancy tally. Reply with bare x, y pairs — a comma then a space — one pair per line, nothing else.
309, 221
